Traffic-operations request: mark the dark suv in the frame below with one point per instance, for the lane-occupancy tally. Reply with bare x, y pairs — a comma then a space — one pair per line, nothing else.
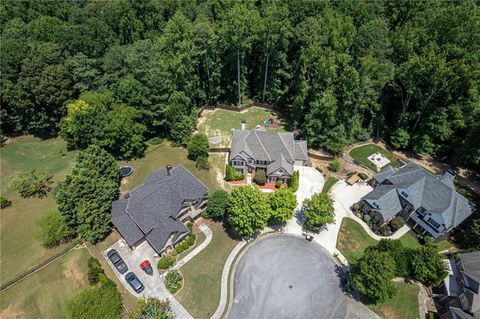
117, 261
134, 282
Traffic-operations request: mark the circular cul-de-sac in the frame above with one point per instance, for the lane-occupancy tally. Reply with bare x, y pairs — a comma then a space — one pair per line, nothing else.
286, 276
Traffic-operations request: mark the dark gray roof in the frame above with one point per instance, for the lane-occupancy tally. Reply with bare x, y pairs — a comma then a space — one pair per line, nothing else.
281, 148
436, 194
384, 200
471, 264
460, 314
153, 206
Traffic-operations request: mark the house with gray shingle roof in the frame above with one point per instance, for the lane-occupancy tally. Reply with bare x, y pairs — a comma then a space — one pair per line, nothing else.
272, 152
429, 203
156, 210
461, 297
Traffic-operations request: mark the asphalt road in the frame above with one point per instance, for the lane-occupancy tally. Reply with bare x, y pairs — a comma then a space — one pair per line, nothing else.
286, 276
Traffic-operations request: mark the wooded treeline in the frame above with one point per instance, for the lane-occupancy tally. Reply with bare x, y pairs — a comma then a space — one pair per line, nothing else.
408, 71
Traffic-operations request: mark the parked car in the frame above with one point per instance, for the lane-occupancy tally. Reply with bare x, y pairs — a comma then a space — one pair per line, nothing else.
147, 267
117, 261
134, 282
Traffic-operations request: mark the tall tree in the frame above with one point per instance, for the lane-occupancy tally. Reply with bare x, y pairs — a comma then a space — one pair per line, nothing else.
85, 197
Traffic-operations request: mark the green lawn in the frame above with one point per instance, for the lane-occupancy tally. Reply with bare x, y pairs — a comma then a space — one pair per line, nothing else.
19, 249
329, 183
164, 154
353, 239
43, 294
200, 294
361, 154
222, 122
402, 306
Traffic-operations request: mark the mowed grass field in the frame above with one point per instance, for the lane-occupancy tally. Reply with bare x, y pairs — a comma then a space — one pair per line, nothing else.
19, 249
361, 154
222, 122
160, 156
200, 294
43, 294
328, 184
402, 306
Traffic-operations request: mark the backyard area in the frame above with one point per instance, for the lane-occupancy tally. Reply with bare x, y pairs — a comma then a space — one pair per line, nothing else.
20, 250
161, 155
221, 123
402, 306
43, 294
201, 292
360, 154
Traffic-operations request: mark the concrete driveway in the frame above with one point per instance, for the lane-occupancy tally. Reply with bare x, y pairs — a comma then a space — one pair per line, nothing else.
286, 276
311, 181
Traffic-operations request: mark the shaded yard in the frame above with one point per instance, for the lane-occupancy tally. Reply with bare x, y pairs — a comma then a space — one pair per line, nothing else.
361, 154
19, 249
43, 294
201, 292
329, 183
352, 239
402, 306
222, 122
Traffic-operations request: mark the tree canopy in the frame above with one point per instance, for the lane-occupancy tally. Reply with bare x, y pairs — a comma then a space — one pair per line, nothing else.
282, 202
340, 71
248, 210
85, 197
318, 210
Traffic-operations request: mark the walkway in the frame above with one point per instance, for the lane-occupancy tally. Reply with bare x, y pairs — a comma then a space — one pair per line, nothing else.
225, 274
154, 284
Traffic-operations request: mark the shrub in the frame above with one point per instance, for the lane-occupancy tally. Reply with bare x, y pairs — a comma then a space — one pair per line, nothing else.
278, 183
217, 205
318, 168
94, 271
179, 249
191, 240
174, 253
52, 230
260, 177
363, 176
173, 281
103, 278
355, 207
101, 302
184, 245
166, 262
152, 308
350, 174
334, 165
33, 183
155, 140
190, 226
294, 181
202, 163
4, 202
397, 223
231, 174
198, 147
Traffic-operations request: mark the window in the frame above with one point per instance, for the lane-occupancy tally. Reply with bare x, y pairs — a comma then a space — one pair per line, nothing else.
404, 194
432, 222
237, 163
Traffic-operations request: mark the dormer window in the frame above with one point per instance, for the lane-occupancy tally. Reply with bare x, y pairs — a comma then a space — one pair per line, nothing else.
404, 194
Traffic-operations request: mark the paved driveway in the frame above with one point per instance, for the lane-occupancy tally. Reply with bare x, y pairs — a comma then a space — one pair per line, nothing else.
285, 276
311, 181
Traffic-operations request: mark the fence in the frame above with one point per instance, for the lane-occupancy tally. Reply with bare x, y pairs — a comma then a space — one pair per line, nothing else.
37, 267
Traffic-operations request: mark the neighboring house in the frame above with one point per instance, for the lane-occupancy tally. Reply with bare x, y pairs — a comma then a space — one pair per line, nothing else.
429, 203
156, 210
461, 297
274, 153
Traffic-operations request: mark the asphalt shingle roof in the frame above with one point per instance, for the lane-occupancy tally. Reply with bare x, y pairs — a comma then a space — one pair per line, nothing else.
152, 207
436, 194
471, 264
281, 148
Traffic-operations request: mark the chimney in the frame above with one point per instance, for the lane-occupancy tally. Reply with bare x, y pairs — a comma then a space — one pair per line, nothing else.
169, 168
244, 124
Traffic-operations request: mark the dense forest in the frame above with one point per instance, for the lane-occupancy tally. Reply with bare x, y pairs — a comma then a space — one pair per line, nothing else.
119, 72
